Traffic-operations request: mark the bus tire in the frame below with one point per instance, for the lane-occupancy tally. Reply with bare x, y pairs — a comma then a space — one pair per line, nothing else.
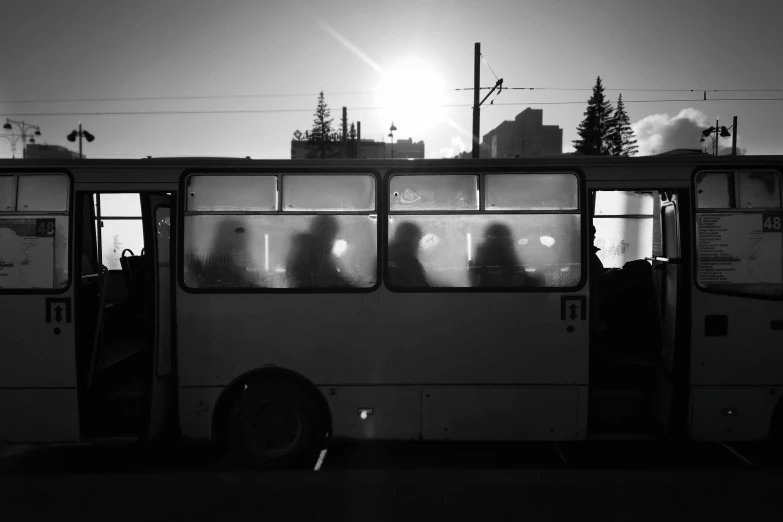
275, 424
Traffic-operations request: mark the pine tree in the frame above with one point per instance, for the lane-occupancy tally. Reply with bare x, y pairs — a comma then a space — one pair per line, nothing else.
322, 136
352, 132
622, 138
596, 128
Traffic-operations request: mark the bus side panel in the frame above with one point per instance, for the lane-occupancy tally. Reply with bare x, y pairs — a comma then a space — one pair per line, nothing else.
196, 409
732, 413
747, 353
39, 415
500, 413
390, 412
383, 338
37, 350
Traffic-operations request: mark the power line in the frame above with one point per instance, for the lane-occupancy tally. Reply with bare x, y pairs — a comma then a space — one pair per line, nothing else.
264, 111
355, 93
490, 68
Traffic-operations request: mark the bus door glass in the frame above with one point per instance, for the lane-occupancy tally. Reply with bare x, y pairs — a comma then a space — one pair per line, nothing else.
38, 392
737, 333
158, 208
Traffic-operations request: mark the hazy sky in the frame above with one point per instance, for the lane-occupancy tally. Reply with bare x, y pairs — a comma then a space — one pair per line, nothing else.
402, 55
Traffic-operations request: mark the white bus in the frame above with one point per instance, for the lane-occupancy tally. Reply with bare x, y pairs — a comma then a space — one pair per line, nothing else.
267, 306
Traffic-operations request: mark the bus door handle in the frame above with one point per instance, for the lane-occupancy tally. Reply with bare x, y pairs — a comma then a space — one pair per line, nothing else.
669, 260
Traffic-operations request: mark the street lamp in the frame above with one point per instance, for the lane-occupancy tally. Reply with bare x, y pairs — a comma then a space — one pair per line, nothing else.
720, 132
24, 127
80, 134
391, 135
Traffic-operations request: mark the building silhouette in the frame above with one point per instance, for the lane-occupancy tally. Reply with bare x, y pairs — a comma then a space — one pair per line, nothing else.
367, 149
42, 151
526, 135
406, 149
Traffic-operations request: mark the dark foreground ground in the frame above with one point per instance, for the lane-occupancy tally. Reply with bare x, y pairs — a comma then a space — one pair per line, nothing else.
399, 481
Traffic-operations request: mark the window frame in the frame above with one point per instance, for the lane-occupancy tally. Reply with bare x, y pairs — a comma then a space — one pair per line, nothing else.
734, 169
100, 218
651, 216
182, 213
581, 211
67, 213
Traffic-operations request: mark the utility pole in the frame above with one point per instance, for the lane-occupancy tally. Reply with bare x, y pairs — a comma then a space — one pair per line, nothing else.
345, 132
359, 139
734, 138
717, 129
80, 134
476, 106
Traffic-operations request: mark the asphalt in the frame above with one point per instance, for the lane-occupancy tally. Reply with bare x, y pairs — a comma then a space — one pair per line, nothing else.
606, 481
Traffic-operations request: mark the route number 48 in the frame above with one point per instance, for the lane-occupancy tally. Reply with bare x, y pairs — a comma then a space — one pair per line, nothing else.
771, 222
44, 227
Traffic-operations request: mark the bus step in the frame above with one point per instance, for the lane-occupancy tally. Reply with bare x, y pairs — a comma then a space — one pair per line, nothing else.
119, 411
618, 410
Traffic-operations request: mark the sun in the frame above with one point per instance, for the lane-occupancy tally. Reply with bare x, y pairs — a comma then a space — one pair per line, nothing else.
412, 95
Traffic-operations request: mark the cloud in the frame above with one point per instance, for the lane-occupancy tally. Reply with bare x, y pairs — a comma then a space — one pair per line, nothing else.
660, 133
457, 146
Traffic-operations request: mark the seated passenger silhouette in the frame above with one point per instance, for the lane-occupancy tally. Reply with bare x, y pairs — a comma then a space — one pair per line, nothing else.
405, 269
222, 266
496, 264
311, 263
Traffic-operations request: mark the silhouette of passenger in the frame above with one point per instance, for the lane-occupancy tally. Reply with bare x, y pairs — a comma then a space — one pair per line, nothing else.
223, 265
596, 266
405, 269
496, 263
311, 263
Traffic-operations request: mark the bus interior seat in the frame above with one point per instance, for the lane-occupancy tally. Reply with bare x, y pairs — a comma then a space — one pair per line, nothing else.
133, 272
628, 306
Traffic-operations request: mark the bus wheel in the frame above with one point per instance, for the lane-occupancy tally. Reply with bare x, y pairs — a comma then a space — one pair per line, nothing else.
275, 424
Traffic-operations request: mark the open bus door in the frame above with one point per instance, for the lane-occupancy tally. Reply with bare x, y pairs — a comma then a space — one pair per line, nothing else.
672, 291
38, 392
639, 332
157, 213
125, 334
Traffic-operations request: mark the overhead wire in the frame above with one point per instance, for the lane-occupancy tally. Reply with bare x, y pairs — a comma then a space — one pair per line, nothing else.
263, 111
352, 93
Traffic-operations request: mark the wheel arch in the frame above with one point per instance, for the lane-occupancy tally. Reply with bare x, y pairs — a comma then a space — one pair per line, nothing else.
235, 388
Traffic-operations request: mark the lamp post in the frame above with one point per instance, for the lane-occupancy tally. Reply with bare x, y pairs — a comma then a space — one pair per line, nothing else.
720, 132
80, 134
24, 127
391, 135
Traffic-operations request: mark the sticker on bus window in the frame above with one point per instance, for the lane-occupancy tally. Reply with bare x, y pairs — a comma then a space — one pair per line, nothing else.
733, 249
27, 253
771, 222
44, 228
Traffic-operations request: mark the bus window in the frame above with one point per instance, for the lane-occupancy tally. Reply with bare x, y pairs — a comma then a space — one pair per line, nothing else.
278, 251
759, 190
427, 193
531, 192
715, 189
328, 193
6, 193
34, 247
488, 251
232, 193
740, 247
624, 222
42, 193
472, 248
119, 218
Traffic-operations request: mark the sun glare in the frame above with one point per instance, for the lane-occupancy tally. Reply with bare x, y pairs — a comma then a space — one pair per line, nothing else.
411, 96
